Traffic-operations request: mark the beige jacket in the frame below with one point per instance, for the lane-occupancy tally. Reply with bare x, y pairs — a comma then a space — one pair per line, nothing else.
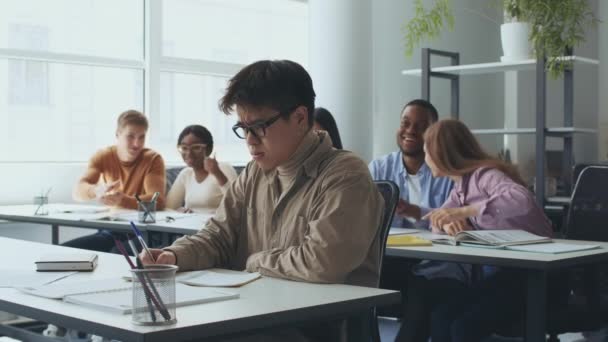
321, 228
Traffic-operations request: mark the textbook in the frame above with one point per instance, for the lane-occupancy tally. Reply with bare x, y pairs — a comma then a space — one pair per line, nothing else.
67, 262
115, 294
491, 238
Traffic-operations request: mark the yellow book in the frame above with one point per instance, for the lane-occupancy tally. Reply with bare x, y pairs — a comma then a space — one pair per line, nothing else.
407, 240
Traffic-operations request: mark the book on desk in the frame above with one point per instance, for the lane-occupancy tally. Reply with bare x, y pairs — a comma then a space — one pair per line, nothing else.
511, 239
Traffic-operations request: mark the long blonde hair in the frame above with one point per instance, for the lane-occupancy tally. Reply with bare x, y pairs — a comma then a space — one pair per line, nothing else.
455, 151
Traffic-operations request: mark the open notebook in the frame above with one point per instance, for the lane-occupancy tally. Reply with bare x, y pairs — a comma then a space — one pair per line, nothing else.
115, 295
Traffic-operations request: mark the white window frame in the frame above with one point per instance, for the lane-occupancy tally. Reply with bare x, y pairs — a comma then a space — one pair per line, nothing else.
151, 64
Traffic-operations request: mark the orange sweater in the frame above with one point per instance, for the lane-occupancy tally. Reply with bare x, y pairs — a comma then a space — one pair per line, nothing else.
143, 176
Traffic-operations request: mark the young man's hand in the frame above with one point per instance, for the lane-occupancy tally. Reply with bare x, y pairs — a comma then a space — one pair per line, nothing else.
112, 199
161, 257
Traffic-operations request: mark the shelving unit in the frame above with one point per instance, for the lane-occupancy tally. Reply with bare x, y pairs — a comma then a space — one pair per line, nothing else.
455, 70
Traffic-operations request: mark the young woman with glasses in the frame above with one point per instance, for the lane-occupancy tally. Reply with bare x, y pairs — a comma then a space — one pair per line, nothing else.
201, 185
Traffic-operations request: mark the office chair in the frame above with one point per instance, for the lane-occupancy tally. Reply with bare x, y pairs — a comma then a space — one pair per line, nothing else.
587, 218
390, 193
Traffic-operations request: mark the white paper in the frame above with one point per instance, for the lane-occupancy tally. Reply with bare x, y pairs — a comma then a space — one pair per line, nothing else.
20, 278
552, 247
399, 231
219, 278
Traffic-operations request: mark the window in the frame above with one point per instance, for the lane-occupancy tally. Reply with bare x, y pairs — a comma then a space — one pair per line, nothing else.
86, 102
236, 31
72, 66
107, 28
192, 99
28, 80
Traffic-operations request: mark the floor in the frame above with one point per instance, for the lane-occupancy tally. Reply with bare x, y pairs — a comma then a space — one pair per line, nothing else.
388, 331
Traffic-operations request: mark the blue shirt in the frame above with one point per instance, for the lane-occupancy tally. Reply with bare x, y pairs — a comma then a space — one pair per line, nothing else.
434, 191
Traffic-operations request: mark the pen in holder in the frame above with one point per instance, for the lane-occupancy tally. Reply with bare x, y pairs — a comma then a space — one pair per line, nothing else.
154, 299
42, 202
146, 211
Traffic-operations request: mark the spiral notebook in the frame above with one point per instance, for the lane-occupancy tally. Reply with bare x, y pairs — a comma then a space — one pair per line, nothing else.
115, 295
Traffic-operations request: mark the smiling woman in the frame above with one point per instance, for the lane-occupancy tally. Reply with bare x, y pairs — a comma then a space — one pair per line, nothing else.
201, 185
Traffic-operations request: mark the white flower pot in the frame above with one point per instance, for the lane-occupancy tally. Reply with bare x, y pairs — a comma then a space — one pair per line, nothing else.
515, 43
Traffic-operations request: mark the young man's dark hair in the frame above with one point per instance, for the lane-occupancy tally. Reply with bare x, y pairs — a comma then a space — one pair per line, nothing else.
431, 110
280, 85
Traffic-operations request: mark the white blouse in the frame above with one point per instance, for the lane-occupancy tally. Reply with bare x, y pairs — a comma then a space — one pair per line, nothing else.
203, 197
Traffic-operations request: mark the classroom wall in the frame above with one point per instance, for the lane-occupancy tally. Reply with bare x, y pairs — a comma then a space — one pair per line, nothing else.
476, 38
483, 98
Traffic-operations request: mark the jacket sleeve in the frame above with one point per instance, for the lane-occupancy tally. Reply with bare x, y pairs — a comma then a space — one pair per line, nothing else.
214, 245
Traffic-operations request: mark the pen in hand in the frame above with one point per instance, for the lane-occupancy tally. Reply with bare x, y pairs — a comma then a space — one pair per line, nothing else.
141, 241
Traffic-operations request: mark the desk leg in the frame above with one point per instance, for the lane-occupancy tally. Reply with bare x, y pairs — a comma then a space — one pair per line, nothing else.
536, 306
358, 327
55, 234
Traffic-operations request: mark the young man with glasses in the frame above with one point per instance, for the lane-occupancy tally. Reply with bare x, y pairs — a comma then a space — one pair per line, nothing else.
201, 185
117, 173
301, 210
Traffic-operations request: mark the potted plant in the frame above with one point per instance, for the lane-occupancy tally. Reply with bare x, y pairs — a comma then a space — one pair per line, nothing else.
555, 27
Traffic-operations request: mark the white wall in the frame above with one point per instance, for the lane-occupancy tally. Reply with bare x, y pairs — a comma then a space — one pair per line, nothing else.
476, 38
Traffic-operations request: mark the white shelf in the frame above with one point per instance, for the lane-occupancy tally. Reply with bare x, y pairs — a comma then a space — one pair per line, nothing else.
554, 130
571, 130
505, 131
494, 67
558, 200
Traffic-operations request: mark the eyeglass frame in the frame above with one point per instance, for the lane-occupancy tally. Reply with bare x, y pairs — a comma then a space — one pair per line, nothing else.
190, 148
263, 125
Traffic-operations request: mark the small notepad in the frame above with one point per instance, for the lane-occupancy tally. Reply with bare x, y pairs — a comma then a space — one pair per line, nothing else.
217, 277
67, 262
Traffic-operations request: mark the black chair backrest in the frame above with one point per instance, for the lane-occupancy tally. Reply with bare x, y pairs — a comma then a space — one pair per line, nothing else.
170, 176
390, 193
588, 210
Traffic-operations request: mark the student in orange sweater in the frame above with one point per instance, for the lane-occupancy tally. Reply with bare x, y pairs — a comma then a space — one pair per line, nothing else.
117, 173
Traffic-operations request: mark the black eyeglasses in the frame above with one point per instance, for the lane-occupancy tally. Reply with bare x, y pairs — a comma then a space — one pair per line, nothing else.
258, 129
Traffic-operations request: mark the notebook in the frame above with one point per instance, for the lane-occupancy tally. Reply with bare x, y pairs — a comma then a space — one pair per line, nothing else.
115, 294
120, 301
217, 277
213, 277
67, 262
491, 238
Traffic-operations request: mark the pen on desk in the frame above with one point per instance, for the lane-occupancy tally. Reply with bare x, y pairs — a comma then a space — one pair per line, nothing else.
142, 206
146, 285
141, 241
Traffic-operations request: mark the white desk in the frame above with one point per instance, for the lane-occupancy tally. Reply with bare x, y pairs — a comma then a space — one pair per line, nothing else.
25, 213
265, 303
537, 265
